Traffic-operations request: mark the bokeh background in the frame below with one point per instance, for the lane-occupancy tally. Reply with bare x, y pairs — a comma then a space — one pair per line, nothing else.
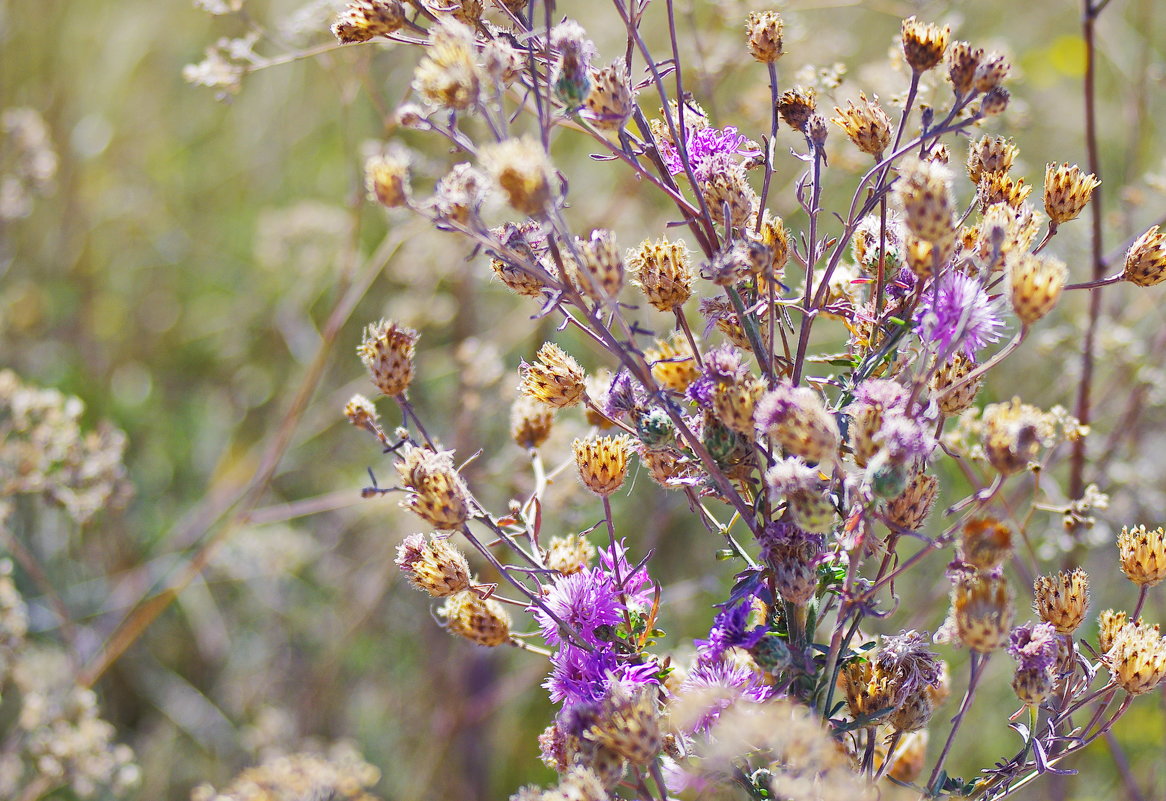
197, 271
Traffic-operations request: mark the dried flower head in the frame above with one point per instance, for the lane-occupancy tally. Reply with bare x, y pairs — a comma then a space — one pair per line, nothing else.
909, 509
952, 393
1143, 554
962, 60
731, 200
1109, 623
796, 417
804, 490
796, 106
570, 554
387, 352
923, 44
435, 567
610, 102
874, 400
763, 30
340, 775
480, 620
1062, 599
669, 468
995, 102
910, 665
448, 76
628, 723
522, 170
436, 493
1137, 659
386, 176
530, 421
363, 20
554, 379
1035, 284
982, 610
735, 400
1146, 259
1067, 190
996, 187
602, 463
1014, 434
672, 362
603, 269
991, 72
867, 125
361, 412
774, 236
869, 692
990, 155
458, 195
923, 191
519, 271
985, 543
663, 272
793, 555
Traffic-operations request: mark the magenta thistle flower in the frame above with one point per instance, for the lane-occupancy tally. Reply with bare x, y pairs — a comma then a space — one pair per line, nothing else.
585, 600
578, 676
1034, 646
728, 631
957, 314
719, 684
704, 145
636, 585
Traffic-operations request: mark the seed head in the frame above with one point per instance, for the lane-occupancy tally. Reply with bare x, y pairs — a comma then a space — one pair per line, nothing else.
990, 155
797, 419
518, 275
983, 611
1143, 555
731, 200
361, 412
530, 422
458, 195
796, 106
1067, 190
1036, 283
448, 76
673, 365
363, 20
923, 190
923, 44
668, 467
764, 29
387, 352
482, 621
867, 125
603, 268
522, 170
868, 690
1014, 434
947, 376
998, 187
773, 235
991, 72
803, 490
628, 724
610, 102
1146, 259
570, 554
602, 463
985, 544
436, 493
435, 567
1137, 659
663, 272
995, 102
554, 379
1109, 623
734, 402
909, 509
962, 61
386, 176
1062, 599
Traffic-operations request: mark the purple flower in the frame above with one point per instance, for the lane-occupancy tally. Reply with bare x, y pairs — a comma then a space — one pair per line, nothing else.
906, 439
704, 145
958, 314
902, 285
701, 391
623, 396
907, 658
584, 600
578, 676
719, 684
881, 392
635, 585
1034, 646
728, 631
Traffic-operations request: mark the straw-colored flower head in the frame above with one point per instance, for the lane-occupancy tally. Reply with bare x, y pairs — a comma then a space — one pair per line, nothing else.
1035, 284
991, 72
555, 378
603, 269
602, 463
467, 12
797, 419
867, 125
1109, 623
1062, 599
983, 612
731, 200
913, 713
1137, 659
668, 467
436, 567
610, 103
990, 155
530, 422
910, 757
387, 352
910, 508
628, 723
868, 690
436, 493
361, 412
522, 170
962, 60
673, 364
386, 176
1143, 554
803, 489
950, 375
1014, 434
1033, 685
995, 102
735, 401
590, 781
448, 76
482, 621
663, 272
985, 543
920, 256
458, 196
796, 106
923, 191
363, 20
773, 235
923, 43
1003, 231
1067, 190
999, 187
570, 554
763, 30
1146, 259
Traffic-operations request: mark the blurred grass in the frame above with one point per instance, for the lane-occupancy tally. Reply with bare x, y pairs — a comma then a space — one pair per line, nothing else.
177, 280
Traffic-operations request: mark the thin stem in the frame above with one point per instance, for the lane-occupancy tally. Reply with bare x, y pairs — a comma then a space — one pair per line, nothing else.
808, 311
978, 661
1143, 591
769, 145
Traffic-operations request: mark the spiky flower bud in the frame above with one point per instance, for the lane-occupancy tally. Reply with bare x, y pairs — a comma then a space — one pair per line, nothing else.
909, 509
793, 555
570, 554
923, 43
1032, 685
1137, 659
1035, 284
953, 402
990, 155
522, 170
1062, 599
796, 106
668, 467
555, 379
603, 269
924, 193
764, 29
436, 493
672, 361
868, 691
735, 401
448, 76
1143, 554
610, 103
482, 621
530, 422
1067, 190
1001, 188
386, 176
387, 352
602, 463
517, 271
628, 723
797, 419
1146, 259
361, 412
363, 20
985, 543
663, 272
730, 199
867, 125
804, 491
995, 102
991, 72
983, 611
1109, 623
962, 61
435, 567
1014, 434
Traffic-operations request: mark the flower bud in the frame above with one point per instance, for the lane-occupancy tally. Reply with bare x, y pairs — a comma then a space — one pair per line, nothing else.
867, 125
530, 422
363, 20
1143, 555
1137, 659
923, 44
1146, 259
663, 272
1036, 283
1062, 599
555, 379
387, 352
435, 567
1067, 190
482, 621
983, 612
436, 493
764, 29
602, 463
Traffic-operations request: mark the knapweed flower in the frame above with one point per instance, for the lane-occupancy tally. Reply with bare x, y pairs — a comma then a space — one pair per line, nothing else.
982, 611
610, 102
923, 191
435, 567
530, 422
730, 628
1062, 599
867, 125
555, 379
387, 352
628, 723
635, 584
985, 544
1137, 659
923, 43
1035, 648
1143, 554
578, 676
763, 31
584, 600
910, 508
1014, 433
448, 76
571, 79
798, 420
363, 20
804, 491
793, 555
908, 663
602, 463
1145, 263
570, 554
712, 687
990, 155
1036, 283
1067, 190
480, 620
523, 172
962, 60
663, 272
436, 492
703, 146
957, 315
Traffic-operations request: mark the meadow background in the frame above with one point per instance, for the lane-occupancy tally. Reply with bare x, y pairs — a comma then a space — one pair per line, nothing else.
198, 271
